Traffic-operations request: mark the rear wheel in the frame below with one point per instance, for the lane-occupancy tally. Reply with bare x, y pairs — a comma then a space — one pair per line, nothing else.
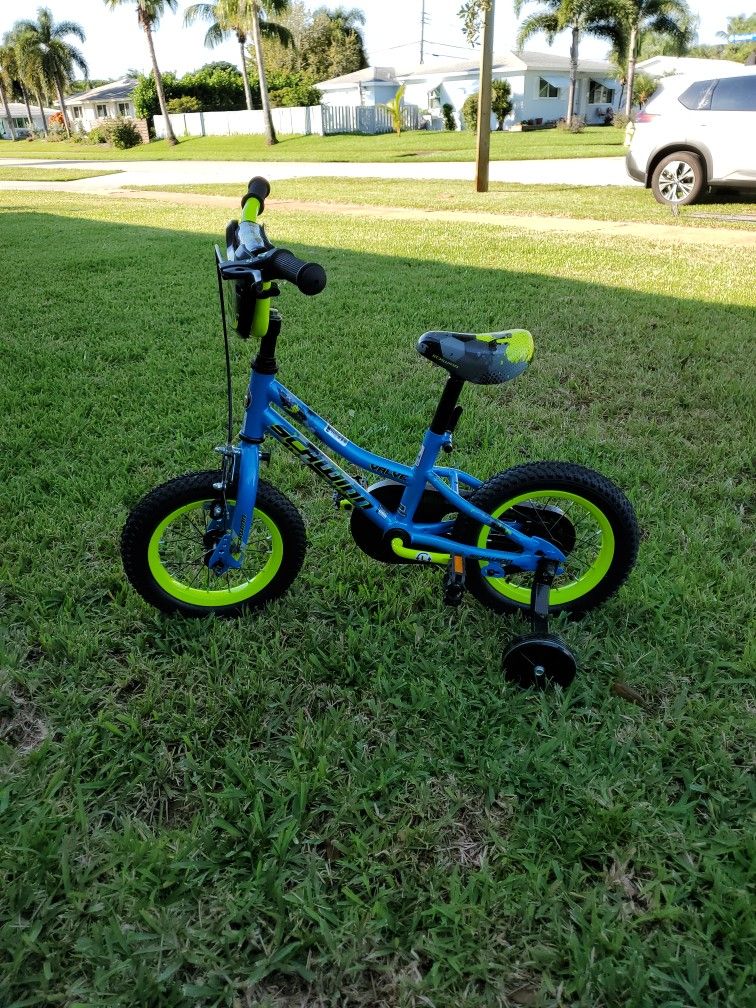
576, 509
170, 535
678, 179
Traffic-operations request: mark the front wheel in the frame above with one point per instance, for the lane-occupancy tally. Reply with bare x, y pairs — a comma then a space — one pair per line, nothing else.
170, 535
576, 509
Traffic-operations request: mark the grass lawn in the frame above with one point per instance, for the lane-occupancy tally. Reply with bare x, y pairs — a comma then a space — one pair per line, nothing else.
420, 145
18, 174
339, 802
612, 203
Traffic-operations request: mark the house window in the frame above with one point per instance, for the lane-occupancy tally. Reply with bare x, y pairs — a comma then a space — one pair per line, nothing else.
76, 110
546, 89
434, 100
102, 111
123, 108
21, 123
600, 94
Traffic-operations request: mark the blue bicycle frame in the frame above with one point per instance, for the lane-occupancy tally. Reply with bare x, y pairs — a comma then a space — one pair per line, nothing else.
269, 404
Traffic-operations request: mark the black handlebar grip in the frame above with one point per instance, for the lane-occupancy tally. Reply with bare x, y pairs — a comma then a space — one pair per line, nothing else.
310, 278
260, 189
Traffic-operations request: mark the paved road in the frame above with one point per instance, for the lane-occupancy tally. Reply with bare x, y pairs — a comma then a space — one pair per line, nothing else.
577, 171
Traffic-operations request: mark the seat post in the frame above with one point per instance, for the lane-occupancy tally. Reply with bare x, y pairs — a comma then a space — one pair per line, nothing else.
442, 418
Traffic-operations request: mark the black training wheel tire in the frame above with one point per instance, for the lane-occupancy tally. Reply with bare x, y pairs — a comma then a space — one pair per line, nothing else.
194, 488
537, 661
566, 479
678, 179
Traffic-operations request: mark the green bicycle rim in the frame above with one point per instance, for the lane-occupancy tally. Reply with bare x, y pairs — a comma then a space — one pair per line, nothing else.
221, 596
560, 594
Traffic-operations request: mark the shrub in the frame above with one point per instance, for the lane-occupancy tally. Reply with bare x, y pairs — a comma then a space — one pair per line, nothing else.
470, 112
448, 112
99, 134
56, 119
501, 101
124, 134
621, 120
55, 134
186, 103
577, 125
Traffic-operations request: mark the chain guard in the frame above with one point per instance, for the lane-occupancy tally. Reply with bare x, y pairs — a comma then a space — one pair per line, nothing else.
433, 507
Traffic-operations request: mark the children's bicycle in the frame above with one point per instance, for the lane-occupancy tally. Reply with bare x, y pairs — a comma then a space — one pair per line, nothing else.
541, 538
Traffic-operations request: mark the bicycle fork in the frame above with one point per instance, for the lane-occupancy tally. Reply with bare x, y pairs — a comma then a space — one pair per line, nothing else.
246, 461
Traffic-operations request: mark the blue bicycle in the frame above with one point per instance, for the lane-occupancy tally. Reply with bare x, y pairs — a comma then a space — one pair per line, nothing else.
544, 537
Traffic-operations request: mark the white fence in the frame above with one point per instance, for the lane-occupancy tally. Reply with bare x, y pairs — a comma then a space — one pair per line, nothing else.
285, 120
366, 119
320, 119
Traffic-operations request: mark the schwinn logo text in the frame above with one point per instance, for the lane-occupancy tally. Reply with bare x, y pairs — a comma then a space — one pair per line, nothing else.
312, 458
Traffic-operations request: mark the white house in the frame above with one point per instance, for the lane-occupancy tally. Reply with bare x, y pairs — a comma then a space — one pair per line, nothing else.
108, 101
371, 86
20, 118
539, 83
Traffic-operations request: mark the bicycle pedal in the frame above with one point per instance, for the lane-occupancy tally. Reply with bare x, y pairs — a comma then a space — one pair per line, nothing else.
454, 581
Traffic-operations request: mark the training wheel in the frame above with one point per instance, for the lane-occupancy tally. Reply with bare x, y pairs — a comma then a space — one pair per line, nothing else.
538, 660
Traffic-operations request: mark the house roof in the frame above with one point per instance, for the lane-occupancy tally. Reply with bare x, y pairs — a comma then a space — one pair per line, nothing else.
382, 75
18, 110
114, 91
659, 66
524, 60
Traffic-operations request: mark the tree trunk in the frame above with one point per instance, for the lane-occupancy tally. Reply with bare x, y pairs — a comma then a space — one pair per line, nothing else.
169, 134
270, 133
25, 96
40, 99
631, 70
63, 109
7, 112
245, 76
573, 73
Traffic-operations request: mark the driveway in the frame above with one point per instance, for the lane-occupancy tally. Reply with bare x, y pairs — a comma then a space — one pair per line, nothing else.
576, 171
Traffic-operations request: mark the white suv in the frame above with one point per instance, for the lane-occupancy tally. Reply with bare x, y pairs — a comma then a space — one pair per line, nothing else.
695, 134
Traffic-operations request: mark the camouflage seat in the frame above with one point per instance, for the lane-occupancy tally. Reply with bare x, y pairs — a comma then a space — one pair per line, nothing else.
483, 358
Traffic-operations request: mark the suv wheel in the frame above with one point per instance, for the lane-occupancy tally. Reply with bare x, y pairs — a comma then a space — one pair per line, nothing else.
678, 179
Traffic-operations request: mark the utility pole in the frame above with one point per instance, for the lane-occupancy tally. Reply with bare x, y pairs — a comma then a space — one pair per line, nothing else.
484, 100
423, 22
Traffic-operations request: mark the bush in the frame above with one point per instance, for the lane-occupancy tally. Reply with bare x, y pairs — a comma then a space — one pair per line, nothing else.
55, 134
99, 134
501, 101
186, 103
576, 126
620, 120
56, 119
124, 134
448, 112
470, 112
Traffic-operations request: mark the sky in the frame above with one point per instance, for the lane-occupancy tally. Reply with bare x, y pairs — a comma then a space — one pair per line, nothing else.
115, 44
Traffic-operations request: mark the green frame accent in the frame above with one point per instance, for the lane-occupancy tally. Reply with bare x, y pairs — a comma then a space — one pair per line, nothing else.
576, 589
223, 596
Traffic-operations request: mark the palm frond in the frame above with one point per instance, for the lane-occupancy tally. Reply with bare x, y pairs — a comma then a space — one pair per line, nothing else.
215, 35
273, 30
539, 22
202, 11
69, 28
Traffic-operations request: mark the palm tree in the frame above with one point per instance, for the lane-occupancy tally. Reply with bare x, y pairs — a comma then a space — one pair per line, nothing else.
149, 13
235, 16
31, 69
581, 17
46, 49
671, 18
7, 64
13, 73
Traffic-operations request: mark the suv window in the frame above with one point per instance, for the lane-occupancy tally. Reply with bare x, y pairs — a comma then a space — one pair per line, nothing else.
698, 95
735, 94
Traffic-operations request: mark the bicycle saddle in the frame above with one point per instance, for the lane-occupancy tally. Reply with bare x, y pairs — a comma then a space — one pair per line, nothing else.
483, 358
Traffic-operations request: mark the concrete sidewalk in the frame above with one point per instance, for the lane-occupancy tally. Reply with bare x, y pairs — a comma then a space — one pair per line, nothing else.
565, 171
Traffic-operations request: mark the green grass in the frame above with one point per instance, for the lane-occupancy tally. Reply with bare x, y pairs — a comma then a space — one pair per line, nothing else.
596, 141
612, 203
338, 802
19, 174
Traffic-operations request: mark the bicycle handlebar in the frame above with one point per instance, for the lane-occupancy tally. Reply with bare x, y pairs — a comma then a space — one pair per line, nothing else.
272, 263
